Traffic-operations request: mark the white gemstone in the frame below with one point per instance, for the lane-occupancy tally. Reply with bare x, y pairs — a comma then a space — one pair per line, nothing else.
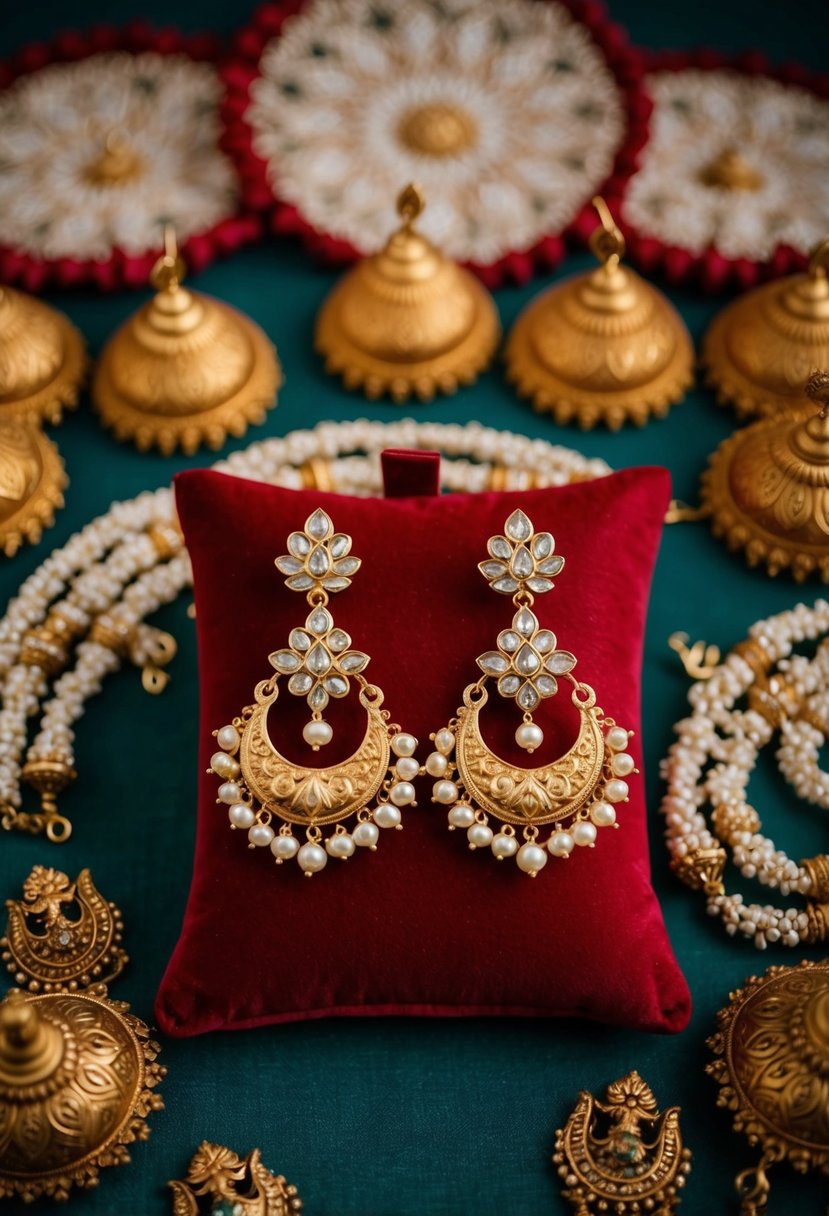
539, 585
546, 685
336, 685
404, 745
261, 835
529, 736
461, 816
518, 527
622, 765
445, 792
561, 844
318, 525
318, 562
552, 566
288, 565
299, 544
318, 698
504, 846
542, 545
319, 660
603, 814
366, 835
298, 639
340, 544
444, 741
522, 564
402, 793
499, 547
228, 738
479, 836
312, 858
507, 586
223, 765
492, 663
407, 768
493, 569
336, 583
341, 845
285, 661
544, 641
617, 738
300, 582
284, 847
531, 859
348, 566
338, 641
527, 661
230, 792
387, 816
320, 621
436, 764
240, 815
354, 661
508, 685
525, 622
300, 683
317, 733
616, 790
527, 697
584, 834
509, 640
560, 662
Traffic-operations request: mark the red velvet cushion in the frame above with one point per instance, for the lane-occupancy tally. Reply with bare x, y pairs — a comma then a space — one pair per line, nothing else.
423, 926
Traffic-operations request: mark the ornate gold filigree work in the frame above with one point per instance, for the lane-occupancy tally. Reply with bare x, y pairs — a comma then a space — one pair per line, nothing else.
617, 1169
220, 1183
772, 1065
32, 481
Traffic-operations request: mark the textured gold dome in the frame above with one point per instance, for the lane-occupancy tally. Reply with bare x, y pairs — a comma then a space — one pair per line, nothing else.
42, 358
185, 370
602, 347
407, 321
32, 481
758, 352
767, 489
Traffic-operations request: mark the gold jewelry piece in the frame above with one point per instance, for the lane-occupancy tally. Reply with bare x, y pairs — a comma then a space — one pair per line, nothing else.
602, 347
220, 1183
579, 791
606, 1164
767, 489
259, 784
772, 1066
32, 481
407, 321
760, 349
42, 359
186, 370
78, 1071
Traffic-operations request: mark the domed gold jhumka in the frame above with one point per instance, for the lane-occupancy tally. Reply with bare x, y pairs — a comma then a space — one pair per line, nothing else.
407, 321
42, 359
32, 481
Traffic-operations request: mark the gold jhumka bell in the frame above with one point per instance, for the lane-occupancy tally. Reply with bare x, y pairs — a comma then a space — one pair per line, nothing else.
77, 1070
760, 349
32, 481
407, 321
772, 1065
601, 347
766, 488
42, 359
186, 369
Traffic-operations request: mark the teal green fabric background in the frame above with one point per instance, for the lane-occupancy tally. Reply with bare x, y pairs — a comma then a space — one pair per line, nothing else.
404, 1118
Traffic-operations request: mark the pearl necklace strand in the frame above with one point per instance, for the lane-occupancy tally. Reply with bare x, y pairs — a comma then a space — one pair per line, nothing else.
98, 589
714, 756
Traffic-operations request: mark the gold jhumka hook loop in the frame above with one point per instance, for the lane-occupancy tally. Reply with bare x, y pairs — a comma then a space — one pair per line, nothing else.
607, 242
699, 660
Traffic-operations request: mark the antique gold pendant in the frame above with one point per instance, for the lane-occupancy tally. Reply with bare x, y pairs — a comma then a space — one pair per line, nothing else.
42, 359
577, 793
259, 785
603, 347
407, 321
32, 481
220, 1183
605, 1162
186, 370
772, 1066
78, 1071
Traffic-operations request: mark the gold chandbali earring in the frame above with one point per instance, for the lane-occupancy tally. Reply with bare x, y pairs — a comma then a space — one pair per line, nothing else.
578, 792
221, 1183
259, 785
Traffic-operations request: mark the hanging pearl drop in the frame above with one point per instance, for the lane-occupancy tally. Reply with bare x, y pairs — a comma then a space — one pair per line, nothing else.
436, 764
445, 792
616, 790
284, 847
340, 845
224, 765
504, 846
404, 745
387, 816
479, 836
407, 768
228, 738
261, 834
229, 792
240, 815
366, 835
531, 859
622, 764
584, 834
617, 738
529, 736
461, 816
312, 859
402, 794
317, 734
561, 844
603, 814
444, 741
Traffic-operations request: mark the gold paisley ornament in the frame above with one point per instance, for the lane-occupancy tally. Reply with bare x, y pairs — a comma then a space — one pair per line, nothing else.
259, 785
577, 793
767, 489
609, 1162
32, 481
42, 359
407, 321
761, 349
771, 1062
602, 347
221, 1183
185, 370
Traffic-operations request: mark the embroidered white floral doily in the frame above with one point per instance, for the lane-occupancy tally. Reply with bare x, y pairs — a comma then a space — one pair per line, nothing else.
712, 127
98, 154
503, 111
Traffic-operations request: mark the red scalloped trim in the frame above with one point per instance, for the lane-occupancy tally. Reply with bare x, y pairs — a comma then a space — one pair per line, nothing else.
121, 269
624, 61
712, 271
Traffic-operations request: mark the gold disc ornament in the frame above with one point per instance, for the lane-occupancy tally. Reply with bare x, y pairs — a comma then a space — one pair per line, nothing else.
760, 349
766, 488
602, 347
772, 1065
42, 358
407, 321
32, 481
186, 369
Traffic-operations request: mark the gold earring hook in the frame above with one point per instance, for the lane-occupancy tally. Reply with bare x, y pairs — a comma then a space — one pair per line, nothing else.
170, 269
410, 204
699, 660
607, 242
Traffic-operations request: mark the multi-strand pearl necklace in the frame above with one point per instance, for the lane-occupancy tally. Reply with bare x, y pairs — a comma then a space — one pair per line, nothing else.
95, 593
712, 760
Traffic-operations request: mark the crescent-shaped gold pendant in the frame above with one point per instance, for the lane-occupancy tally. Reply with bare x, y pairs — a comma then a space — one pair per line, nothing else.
313, 795
660, 1172
525, 796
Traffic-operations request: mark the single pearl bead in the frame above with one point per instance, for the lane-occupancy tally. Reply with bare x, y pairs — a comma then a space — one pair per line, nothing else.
317, 733
531, 859
261, 834
240, 815
223, 765
228, 738
404, 745
402, 794
622, 764
284, 847
461, 816
561, 844
504, 846
584, 834
312, 858
407, 768
529, 736
436, 764
444, 741
617, 738
340, 845
616, 791
229, 792
479, 836
603, 814
445, 792
365, 835
387, 816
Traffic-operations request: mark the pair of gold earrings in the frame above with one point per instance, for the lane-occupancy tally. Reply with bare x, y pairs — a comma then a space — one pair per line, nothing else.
501, 806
